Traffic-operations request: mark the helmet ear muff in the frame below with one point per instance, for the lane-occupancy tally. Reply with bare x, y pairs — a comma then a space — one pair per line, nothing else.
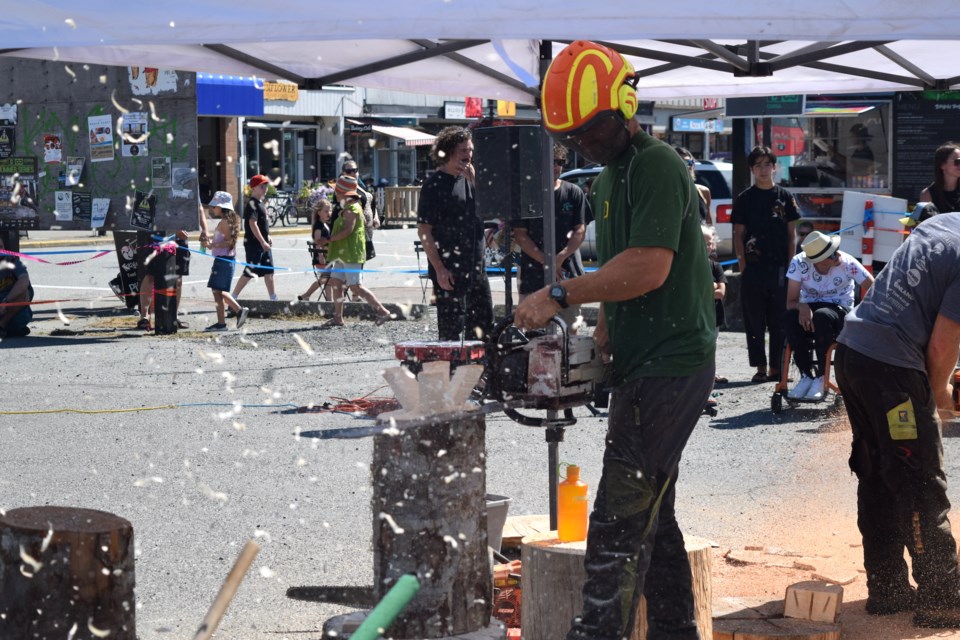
627, 99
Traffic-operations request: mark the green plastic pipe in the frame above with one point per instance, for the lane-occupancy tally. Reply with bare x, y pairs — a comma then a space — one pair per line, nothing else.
386, 611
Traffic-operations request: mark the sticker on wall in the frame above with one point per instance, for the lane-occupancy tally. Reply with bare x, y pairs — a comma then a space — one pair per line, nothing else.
52, 148
184, 181
63, 206
18, 193
160, 175
82, 205
8, 114
150, 81
101, 138
72, 171
134, 131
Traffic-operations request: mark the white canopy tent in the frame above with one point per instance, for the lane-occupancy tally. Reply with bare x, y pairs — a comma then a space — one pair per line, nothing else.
681, 49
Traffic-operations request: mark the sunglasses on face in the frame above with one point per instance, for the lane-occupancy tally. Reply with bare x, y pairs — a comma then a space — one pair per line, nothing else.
956, 162
691, 162
350, 170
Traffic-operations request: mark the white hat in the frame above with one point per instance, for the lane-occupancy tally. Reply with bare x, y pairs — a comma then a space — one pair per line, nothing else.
221, 199
818, 246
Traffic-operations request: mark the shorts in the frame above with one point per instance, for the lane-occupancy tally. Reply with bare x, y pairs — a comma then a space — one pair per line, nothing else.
349, 272
257, 256
221, 274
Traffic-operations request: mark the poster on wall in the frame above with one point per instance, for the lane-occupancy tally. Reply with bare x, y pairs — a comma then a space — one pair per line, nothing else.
160, 172
101, 138
63, 206
184, 181
144, 211
8, 114
82, 205
8, 141
134, 131
151, 81
52, 148
99, 209
18, 193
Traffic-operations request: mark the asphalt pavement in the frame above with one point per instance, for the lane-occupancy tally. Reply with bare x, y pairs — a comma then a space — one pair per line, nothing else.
196, 439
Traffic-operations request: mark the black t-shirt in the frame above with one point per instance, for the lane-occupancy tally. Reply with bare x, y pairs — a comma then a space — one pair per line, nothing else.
448, 205
765, 214
570, 211
254, 213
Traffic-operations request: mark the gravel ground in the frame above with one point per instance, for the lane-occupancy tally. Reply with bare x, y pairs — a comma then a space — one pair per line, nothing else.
229, 461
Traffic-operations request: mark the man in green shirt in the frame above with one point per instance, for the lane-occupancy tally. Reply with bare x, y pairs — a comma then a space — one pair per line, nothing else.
657, 322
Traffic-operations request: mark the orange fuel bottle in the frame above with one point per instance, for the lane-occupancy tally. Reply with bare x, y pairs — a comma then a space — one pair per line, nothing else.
572, 507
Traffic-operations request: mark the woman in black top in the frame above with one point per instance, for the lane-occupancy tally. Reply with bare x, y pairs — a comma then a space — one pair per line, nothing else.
944, 192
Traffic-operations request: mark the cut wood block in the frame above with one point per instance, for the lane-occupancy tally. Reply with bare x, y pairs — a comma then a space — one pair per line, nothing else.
813, 600
519, 527
775, 629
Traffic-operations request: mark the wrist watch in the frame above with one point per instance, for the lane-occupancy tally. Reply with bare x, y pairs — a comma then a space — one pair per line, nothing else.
559, 295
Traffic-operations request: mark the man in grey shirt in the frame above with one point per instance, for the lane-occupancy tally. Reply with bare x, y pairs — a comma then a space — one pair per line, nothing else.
895, 363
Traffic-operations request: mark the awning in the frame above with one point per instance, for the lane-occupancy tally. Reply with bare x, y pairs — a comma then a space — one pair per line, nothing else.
221, 95
410, 137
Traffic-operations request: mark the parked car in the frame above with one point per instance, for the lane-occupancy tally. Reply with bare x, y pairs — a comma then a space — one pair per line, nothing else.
717, 176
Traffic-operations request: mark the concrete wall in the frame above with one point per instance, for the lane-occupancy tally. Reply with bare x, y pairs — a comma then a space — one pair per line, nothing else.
58, 98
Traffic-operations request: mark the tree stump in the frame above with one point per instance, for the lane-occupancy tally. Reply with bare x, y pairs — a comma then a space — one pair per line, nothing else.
553, 577
429, 511
774, 629
66, 572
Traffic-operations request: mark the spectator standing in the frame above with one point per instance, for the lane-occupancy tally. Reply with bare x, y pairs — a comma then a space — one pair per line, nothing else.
223, 248
719, 283
657, 321
702, 189
321, 235
821, 283
452, 236
895, 363
944, 191
764, 238
347, 253
256, 239
16, 293
153, 273
570, 211
371, 219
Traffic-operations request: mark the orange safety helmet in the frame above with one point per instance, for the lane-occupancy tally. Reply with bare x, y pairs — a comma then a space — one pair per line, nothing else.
586, 80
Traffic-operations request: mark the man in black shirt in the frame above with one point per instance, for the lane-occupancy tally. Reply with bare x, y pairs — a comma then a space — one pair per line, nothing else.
452, 237
570, 211
765, 239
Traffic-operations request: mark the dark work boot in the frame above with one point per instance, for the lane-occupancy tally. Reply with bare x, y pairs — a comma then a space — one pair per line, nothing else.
938, 613
888, 604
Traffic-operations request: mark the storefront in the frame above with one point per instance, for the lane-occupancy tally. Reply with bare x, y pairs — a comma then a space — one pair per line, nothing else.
388, 152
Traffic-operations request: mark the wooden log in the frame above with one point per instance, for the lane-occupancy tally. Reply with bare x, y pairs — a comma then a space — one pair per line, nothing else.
813, 600
66, 572
553, 577
774, 629
429, 512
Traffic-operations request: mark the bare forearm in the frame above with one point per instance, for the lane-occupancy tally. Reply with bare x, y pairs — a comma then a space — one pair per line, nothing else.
630, 274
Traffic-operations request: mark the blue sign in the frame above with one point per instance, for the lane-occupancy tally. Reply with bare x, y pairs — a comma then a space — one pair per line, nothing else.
228, 96
697, 125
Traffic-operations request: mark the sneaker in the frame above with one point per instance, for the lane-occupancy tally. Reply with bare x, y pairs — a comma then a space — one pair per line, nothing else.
143, 323
800, 391
220, 326
815, 392
274, 298
14, 332
181, 324
242, 317
231, 313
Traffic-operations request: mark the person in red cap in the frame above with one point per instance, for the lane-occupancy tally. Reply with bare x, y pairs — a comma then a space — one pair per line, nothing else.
347, 251
256, 239
656, 320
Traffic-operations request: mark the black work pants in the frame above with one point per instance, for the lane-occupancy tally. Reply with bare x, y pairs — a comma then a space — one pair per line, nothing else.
634, 544
763, 295
827, 323
902, 496
467, 309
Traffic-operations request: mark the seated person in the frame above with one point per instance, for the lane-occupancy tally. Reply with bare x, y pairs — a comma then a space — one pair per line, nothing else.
820, 291
15, 290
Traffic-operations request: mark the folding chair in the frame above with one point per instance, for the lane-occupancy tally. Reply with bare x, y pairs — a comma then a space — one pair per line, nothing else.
322, 277
424, 275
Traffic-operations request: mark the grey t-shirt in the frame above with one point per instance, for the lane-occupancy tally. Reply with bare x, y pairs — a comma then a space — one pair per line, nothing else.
894, 322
